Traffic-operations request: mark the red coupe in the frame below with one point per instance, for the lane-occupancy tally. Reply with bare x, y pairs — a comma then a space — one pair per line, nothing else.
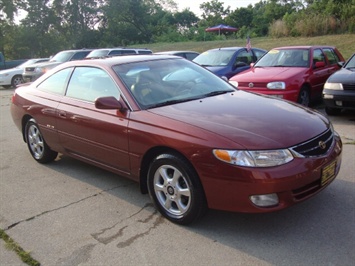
189, 138
294, 73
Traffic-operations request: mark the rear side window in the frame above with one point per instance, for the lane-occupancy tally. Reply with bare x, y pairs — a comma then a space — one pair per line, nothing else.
56, 83
89, 83
144, 52
331, 55
79, 55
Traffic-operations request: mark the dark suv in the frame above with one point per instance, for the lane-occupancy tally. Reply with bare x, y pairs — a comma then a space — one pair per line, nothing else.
33, 72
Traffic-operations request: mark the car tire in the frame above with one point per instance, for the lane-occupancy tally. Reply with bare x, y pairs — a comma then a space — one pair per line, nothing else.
332, 111
175, 189
37, 146
304, 97
16, 80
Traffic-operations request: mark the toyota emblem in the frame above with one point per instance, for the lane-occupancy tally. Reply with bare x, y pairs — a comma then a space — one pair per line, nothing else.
322, 145
251, 85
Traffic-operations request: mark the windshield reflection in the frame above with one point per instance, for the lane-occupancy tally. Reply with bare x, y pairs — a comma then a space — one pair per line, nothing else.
169, 81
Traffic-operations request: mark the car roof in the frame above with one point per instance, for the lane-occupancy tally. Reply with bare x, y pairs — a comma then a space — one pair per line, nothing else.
117, 60
174, 52
303, 47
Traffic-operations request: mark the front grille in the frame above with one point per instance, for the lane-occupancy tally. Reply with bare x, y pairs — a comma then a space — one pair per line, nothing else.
349, 87
317, 146
30, 69
255, 84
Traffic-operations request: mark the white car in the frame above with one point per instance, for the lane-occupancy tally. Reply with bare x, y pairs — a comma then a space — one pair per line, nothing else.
13, 76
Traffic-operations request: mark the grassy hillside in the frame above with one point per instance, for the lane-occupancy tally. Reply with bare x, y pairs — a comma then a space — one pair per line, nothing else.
345, 43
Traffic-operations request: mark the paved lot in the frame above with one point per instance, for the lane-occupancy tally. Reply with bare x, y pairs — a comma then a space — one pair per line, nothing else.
70, 213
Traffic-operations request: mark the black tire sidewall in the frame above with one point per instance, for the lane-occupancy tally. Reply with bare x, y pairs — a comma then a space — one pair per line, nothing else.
48, 155
197, 204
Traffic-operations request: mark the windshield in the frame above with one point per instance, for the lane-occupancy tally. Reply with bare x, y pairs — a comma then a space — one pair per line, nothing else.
215, 58
351, 63
98, 53
168, 81
285, 58
62, 57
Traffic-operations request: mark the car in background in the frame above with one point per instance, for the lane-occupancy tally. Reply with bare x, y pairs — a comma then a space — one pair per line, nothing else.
190, 55
339, 89
294, 73
34, 71
189, 138
228, 61
13, 76
105, 52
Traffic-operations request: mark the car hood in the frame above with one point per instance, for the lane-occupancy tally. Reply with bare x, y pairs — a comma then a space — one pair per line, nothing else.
45, 64
14, 71
218, 69
249, 120
346, 76
265, 74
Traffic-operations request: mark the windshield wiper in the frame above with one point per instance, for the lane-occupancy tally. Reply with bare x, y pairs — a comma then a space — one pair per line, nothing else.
214, 93
169, 102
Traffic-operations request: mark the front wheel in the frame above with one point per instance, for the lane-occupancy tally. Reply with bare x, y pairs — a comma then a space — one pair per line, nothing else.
304, 97
37, 145
175, 189
16, 80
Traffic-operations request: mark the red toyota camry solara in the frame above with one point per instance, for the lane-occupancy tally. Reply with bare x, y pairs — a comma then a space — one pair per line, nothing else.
187, 136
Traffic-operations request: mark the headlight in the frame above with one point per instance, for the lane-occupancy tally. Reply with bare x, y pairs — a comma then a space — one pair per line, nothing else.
263, 158
40, 70
333, 86
276, 85
234, 83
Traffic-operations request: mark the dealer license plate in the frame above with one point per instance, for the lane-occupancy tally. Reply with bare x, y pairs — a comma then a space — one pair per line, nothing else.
328, 173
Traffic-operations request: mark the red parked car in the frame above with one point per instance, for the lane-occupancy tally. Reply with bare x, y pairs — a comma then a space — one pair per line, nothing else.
294, 73
188, 137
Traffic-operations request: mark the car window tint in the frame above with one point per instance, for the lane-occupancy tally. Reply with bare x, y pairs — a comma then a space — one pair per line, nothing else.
57, 82
79, 55
332, 57
318, 56
243, 58
258, 53
191, 56
144, 52
89, 83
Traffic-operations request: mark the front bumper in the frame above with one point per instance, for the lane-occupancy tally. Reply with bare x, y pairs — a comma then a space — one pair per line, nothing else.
230, 188
339, 98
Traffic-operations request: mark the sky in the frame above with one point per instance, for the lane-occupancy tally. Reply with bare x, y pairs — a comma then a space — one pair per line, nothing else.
194, 5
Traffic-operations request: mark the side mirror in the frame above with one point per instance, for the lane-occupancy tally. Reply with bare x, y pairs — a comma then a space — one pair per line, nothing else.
110, 103
341, 64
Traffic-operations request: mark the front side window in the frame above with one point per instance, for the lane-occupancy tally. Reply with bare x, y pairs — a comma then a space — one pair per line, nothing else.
244, 58
89, 83
318, 56
331, 55
57, 82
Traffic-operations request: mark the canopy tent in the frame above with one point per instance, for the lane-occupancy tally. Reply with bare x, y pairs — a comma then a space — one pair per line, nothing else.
221, 28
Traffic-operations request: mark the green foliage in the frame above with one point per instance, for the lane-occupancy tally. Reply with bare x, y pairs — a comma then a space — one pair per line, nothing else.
54, 25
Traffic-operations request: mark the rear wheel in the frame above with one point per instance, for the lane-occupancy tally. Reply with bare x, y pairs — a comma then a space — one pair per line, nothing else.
175, 189
37, 145
16, 80
304, 96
